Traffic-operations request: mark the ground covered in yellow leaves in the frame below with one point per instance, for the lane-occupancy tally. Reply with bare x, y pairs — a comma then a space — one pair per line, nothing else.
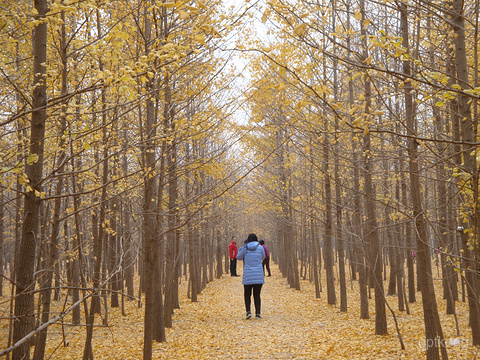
294, 325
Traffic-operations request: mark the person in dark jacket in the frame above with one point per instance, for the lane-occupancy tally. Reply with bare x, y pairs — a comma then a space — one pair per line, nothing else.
252, 254
266, 261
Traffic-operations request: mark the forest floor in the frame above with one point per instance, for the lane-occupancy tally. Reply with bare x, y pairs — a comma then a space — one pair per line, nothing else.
294, 325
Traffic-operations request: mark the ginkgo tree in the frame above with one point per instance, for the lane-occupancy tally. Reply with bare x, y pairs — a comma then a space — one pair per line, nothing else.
367, 49
129, 155
129, 87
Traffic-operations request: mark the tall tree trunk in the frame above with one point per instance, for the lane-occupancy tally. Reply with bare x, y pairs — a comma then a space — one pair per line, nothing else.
389, 233
218, 256
171, 276
24, 300
411, 253
127, 240
358, 247
79, 260
114, 271
456, 154
289, 251
158, 315
433, 328
192, 245
468, 131
360, 241
151, 227
442, 229
2, 259
212, 246
18, 211
328, 247
100, 230
338, 189
371, 231
399, 239
53, 253
392, 283
312, 227
400, 268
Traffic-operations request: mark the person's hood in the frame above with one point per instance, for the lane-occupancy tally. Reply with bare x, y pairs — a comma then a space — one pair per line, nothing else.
252, 245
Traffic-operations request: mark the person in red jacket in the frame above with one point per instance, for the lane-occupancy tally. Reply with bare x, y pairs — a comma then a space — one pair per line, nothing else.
233, 250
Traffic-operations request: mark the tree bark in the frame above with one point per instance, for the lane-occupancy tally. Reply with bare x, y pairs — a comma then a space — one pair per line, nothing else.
433, 329
24, 301
151, 225
98, 223
52, 262
312, 226
171, 276
468, 126
371, 231
328, 247
2, 260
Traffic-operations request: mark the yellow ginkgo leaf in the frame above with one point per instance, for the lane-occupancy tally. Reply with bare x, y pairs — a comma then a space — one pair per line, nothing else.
365, 131
300, 29
32, 158
358, 15
264, 18
183, 14
200, 38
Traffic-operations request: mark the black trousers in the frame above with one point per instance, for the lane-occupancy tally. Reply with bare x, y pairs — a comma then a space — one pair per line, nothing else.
266, 264
233, 267
257, 288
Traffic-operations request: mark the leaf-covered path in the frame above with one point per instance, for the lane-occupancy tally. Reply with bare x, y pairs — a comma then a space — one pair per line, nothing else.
216, 327
294, 325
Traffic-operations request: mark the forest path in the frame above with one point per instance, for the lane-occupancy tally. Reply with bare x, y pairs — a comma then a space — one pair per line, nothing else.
215, 326
294, 325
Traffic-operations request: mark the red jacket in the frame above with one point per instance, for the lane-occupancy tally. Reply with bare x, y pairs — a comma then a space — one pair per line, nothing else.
233, 250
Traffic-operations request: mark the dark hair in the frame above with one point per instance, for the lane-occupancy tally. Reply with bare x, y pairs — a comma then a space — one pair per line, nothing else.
261, 242
252, 237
